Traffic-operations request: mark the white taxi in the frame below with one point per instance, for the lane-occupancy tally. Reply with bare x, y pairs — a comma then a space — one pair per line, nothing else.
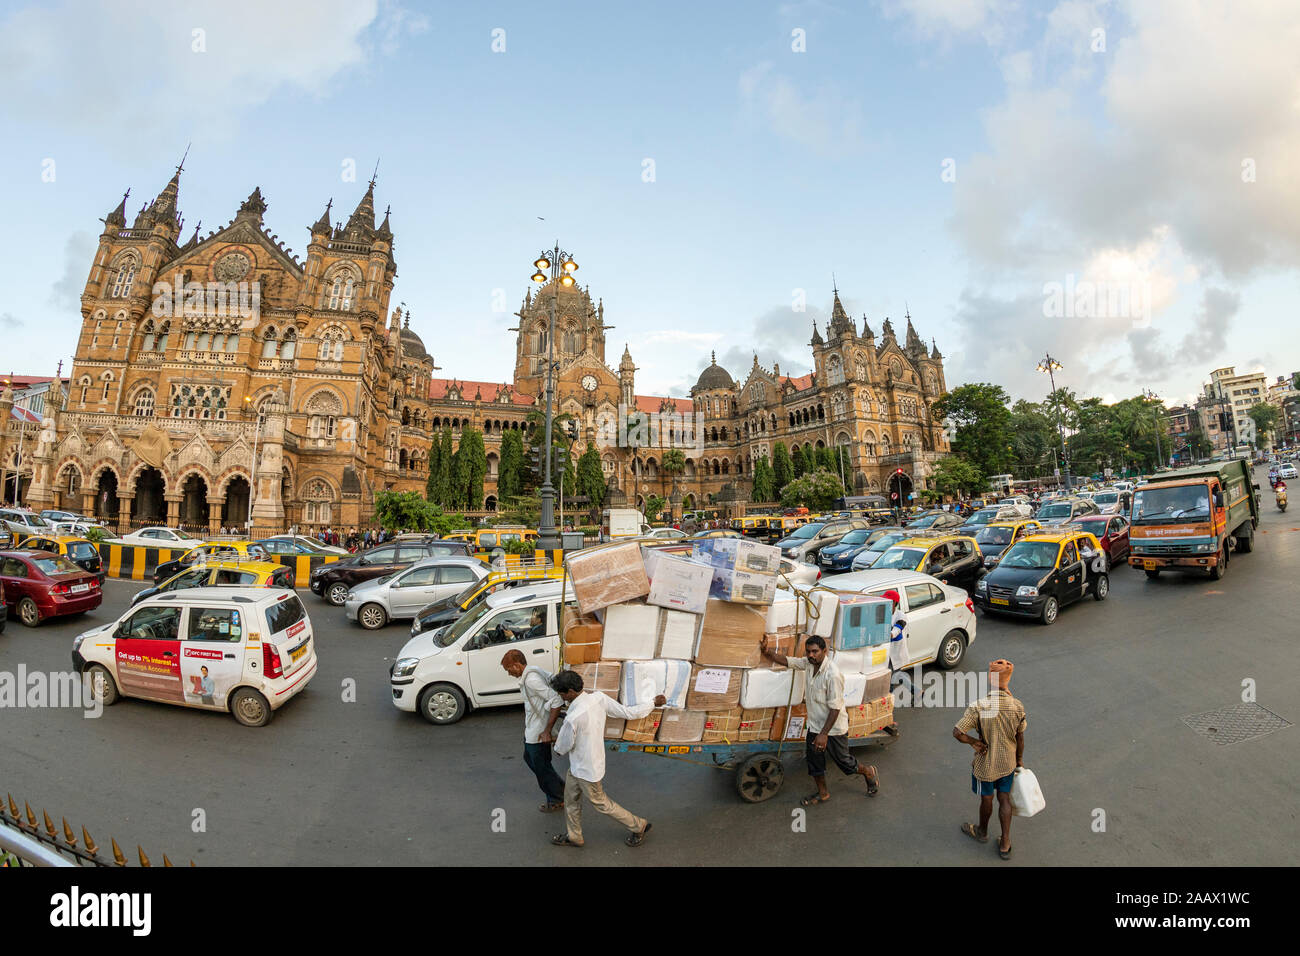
940, 618
242, 650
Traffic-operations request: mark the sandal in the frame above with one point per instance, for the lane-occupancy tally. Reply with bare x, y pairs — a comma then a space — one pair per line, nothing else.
636, 839
873, 781
550, 807
562, 839
1005, 854
813, 799
970, 831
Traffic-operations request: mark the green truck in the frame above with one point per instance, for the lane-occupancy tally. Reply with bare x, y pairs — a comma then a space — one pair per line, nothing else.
1190, 518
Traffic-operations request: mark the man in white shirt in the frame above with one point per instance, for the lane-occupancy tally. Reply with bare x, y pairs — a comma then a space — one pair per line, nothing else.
828, 720
541, 709
583, 738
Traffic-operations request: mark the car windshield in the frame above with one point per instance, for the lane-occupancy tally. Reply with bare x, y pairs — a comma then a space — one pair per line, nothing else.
459, 627
924, 522
1031, 554
55, 565
1105, 497
855, 537
808, 530
983, 517
901, 558
1177, 503
886, 541
994, 536
1055, 511
82, 550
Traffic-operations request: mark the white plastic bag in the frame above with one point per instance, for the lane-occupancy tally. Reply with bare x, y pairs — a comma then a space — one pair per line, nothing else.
1026, 795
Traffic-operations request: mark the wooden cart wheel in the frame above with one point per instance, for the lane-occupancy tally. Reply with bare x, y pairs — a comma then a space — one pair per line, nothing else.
759, 777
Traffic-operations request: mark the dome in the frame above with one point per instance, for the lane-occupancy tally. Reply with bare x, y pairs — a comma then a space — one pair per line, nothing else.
715, 376
412, 344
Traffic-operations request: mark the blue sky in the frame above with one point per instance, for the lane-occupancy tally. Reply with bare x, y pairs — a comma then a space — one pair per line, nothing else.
772, 169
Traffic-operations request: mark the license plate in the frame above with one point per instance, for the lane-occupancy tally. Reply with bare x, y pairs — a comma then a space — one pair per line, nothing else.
296, 654
1006, 601
78, 588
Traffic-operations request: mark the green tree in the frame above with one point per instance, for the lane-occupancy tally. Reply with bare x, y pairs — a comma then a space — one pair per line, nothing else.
440, 478
435, 468
591, 477
470, 467
955, 475
982, 420
1266, 418
654, 507
406, 510
782, 467
764, 481
815, 491
513, 466
1033, 440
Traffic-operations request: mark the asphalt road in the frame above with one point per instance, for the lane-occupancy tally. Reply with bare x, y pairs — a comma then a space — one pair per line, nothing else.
335, 782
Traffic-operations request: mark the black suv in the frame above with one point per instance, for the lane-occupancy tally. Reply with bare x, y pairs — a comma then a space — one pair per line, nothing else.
331, 581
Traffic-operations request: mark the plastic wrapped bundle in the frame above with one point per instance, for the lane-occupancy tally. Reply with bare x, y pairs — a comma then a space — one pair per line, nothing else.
605, 576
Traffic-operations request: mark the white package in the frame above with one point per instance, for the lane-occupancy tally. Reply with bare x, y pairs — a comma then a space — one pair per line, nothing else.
825, 604
680, 584
642, 681
784, 612
680, 631
631, 632
852, 662
771, 688
855, 687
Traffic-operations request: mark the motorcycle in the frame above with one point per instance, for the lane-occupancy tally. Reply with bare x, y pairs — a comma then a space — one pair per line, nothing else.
1280, 495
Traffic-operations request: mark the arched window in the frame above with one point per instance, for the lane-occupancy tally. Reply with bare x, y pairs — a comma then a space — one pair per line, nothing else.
290, 343
336, 292
345, 302
125, 278
144, 400
861, 369
570, 340
149, 336
319, 499
269, 344
834, 370
163, 331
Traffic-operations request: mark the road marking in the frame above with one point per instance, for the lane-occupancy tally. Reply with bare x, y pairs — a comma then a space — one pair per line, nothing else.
1211, 592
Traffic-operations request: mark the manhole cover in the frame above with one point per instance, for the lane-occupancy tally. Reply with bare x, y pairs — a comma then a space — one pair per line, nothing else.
1232, 725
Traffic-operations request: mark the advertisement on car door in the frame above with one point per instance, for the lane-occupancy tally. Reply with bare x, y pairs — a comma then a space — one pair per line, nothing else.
150, 668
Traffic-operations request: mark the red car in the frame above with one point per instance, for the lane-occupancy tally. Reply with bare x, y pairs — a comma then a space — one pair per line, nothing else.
1111, 531
38, 584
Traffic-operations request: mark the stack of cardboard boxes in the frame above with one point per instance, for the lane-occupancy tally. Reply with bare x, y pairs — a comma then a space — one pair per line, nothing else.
689, 627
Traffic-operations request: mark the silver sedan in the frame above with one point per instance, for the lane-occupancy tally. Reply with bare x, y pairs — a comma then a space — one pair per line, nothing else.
403, 593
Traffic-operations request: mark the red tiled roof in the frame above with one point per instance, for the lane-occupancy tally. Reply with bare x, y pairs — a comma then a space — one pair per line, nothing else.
650, 404
802, 382
468, 389
23, 381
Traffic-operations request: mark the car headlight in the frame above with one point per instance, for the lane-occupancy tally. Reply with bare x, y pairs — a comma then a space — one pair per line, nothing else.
415, 627
405, 666
1204, 546
76, 642
981, 585
1027, 590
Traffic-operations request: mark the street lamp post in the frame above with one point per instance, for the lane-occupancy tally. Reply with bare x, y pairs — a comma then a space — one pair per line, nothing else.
561, 266
1051, 366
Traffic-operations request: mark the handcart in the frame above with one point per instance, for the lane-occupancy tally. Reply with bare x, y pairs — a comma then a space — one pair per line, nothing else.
759, 771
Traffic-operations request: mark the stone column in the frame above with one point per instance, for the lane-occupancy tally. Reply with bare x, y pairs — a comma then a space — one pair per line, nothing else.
173, 510
124, 512
214, 514
88, 503
268, 509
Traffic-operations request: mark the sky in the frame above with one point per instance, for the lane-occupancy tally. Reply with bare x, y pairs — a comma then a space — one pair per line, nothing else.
1112, 183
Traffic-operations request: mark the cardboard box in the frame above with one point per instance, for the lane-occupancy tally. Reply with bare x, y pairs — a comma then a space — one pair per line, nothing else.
852, 662
790, 723
680, 584
682, 726
784, 612
880, 706
762, 688
642, 681
582, 642
855, 685
643, 731
740, 554
743, 587
604, 576
631, 632
862, 621
787, 644
862, 722
721, 688
878, 680
602, 676
678, 633
614, 727
722, 726
730, 635
756, 724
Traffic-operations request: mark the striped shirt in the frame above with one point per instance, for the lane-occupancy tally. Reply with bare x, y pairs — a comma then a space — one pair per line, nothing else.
999, 717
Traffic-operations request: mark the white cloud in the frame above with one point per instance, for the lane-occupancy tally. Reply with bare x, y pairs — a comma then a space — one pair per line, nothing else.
827, 121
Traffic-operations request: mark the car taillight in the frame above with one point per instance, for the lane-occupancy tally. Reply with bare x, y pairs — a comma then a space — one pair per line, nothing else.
271, 661
59, 589
970, 605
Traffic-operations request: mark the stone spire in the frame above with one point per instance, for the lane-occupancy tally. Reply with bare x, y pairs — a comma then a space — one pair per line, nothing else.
841, 324
362, 221
866, 329
626, 361
166, 205
817, 336
914, 342
118, 216
934, 351
385, 231
322, 225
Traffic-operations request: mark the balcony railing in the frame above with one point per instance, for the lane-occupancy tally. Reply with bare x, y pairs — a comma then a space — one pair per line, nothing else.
135, 424
209, 358
275, 364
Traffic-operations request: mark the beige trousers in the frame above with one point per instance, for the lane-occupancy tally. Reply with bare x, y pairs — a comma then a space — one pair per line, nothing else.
575, 790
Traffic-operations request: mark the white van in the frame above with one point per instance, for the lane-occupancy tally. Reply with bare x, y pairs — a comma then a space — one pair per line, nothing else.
242, 650
445, 672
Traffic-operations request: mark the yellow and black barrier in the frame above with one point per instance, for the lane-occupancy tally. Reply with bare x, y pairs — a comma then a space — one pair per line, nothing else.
538, 558
138, 563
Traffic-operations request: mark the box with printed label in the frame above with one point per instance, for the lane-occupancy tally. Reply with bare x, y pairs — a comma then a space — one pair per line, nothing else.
722, 726
741, 554
642, 681
601, 676
682, 726
767, 688
680, 584
604, 576
790, 723
714, 688
862, 621
730, 635
614, 727
678, 633
756, 724
631, 632
643, 731
743, 587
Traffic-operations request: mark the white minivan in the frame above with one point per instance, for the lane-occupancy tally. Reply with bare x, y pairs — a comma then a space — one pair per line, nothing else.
444, 673
940, 618
242, 650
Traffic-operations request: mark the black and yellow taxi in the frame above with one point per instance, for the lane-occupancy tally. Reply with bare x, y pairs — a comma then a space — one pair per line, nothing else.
448, 609
80, 551
996, 536
219, 573
952, 558
207, 553
1042, 573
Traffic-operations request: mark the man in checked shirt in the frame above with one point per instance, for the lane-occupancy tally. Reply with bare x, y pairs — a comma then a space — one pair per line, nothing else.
999, 722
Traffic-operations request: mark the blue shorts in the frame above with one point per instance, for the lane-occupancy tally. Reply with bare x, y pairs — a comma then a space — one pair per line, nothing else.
986, 788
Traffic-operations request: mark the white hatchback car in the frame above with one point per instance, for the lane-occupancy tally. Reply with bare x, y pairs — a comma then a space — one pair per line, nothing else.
940, 618
242, 650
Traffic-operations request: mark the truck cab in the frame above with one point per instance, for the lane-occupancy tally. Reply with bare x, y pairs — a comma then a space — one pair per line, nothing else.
444, 673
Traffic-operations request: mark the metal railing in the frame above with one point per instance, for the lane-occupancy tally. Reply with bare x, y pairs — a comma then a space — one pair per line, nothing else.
23, 842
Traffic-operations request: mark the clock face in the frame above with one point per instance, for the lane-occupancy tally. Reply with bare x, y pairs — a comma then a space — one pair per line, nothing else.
589, 382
